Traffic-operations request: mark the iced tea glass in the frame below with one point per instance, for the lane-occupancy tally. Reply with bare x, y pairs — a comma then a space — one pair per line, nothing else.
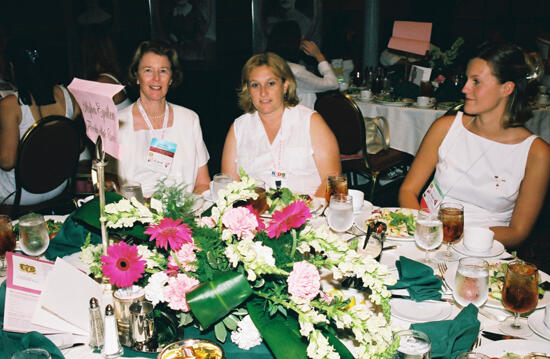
451, 214
7, 241
336, 184
519, 295
260, 203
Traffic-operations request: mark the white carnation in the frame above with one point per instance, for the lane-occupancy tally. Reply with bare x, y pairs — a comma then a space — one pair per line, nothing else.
154, 289
246, 336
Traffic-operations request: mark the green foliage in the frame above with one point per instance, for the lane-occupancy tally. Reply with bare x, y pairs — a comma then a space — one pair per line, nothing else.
408, 219
178, 204
211, 259
220, 331
167, 324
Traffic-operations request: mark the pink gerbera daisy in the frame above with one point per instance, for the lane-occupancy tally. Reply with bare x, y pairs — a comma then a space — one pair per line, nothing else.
292, 216
169, 231
122, 265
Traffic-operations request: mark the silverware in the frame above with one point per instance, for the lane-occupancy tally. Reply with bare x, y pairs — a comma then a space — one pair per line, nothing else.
390, 247
497, 336
442, 267
401, 296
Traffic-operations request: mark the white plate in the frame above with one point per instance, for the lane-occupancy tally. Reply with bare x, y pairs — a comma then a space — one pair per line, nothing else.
536, 323
393, 103
417, 105
361, 219
367, 208
496, 250
420, 312
492, 302
518, 346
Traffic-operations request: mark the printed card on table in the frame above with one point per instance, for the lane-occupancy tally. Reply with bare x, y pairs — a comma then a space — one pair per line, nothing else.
99, 111
411, 36
419, 74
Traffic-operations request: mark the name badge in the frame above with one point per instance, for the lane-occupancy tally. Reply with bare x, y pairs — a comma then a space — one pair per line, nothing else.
161, 155
432, 197
279, 179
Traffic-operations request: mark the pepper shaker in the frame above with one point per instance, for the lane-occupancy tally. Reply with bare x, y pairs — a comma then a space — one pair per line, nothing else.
96, 325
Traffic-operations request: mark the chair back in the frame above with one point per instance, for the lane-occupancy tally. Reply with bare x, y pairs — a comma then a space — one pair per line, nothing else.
344, 118
47, 156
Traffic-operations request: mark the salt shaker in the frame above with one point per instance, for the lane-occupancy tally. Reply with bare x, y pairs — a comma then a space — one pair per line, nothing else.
96, 325
111, 347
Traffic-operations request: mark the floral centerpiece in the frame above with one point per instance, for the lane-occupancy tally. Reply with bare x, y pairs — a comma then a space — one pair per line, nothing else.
232, 270
440, 61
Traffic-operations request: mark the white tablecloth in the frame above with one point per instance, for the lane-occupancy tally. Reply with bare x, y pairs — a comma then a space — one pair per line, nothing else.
408, 125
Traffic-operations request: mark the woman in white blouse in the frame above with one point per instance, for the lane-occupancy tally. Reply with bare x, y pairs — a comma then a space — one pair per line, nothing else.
287, 41
277, 140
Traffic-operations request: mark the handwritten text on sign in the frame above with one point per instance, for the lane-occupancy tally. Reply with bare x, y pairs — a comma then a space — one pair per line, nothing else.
100, 115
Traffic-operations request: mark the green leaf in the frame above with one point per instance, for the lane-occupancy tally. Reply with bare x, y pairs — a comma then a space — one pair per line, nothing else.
220, 331
230, 322
213, 300
185, 319
240, 311
330, 333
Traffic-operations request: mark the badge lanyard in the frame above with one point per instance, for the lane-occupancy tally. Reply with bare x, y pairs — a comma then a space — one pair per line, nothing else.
148, 122
278, 173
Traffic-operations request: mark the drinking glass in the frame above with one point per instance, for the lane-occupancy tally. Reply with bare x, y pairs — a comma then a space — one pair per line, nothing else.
7, 241
471, 281
32, 353
519, 295
413, 344
336, 184
219, 182
259, 204
428, 234
451, 214
131, 190
33, 234
340, 214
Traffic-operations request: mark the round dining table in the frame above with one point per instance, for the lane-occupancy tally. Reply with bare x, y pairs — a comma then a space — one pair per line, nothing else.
409, 124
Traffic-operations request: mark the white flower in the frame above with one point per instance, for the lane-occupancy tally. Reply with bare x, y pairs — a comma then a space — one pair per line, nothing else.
88, 254
147, 254
246, 336
156, 205
154, 289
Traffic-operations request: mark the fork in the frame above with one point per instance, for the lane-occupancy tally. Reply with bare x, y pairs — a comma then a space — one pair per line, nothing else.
442, 269
477, 342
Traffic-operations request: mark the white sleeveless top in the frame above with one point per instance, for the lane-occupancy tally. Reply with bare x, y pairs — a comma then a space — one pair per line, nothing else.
7, 178
291, 151
484, 175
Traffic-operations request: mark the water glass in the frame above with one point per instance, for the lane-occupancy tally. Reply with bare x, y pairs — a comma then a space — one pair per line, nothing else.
428, 234
340, 212
33, 234
131, 190
413, 344
219, 182
451, 215
32, 353
7, 241
471, 281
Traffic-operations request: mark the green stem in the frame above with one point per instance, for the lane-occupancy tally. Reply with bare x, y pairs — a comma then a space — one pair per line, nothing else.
179, 264
294, 239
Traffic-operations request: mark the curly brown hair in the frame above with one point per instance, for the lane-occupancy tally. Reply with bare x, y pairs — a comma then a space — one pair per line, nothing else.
279, 67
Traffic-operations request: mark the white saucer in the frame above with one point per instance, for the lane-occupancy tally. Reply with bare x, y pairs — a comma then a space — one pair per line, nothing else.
417, 105
367, 208
420, 312
496, 250
536, 323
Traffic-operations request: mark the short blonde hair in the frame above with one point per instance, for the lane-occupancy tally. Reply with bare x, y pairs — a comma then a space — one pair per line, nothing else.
279, 67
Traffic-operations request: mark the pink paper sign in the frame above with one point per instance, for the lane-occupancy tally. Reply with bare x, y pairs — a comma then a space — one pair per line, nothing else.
100, 114
411, 36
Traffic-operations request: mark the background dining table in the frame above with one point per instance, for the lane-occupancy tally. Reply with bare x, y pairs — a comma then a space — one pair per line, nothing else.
408, 124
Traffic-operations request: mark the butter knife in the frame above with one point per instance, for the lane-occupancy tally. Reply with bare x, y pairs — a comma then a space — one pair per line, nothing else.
401, 296
497, 336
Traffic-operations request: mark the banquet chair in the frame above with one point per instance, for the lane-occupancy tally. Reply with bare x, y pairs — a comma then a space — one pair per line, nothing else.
346, 121
47, 156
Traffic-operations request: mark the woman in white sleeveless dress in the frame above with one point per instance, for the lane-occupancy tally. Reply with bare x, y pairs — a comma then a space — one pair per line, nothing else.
485, 158
276, 140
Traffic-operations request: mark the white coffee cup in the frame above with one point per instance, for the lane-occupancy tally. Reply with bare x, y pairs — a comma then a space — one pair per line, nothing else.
547, 316
358, 198
366, 95
478, 239
423, 100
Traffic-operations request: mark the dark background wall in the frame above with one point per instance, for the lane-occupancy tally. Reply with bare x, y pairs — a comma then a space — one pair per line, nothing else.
210, 89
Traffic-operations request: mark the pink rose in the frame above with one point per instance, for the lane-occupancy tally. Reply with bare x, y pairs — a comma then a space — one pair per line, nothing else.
304, 281
241, 222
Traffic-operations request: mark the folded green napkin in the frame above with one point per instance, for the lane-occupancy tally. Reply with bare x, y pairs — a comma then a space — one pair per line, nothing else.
11, 343
418, 279
452, 337
69, 239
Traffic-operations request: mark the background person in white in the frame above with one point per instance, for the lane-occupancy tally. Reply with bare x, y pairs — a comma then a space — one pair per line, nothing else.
277, 139
287, 41
486, 159
155, 68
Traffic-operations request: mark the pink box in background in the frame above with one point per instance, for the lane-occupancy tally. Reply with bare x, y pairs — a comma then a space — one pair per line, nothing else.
410, 36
